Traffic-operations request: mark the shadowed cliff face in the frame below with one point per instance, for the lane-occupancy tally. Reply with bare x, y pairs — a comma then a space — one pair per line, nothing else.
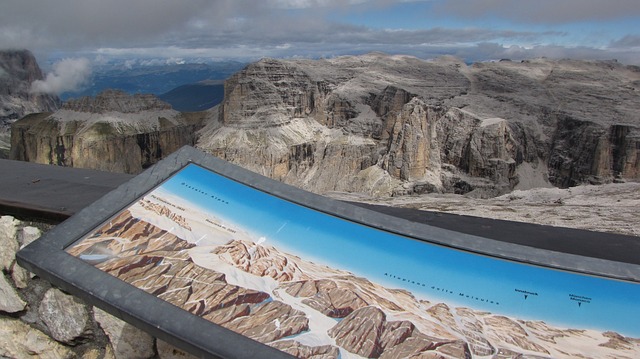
18, 69
112, 132
389, 125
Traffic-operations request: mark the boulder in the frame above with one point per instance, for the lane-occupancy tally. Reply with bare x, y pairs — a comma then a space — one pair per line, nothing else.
66, 317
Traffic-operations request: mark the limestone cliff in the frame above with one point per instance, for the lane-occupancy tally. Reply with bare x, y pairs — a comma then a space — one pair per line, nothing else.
112, 132
18, 69
389, 125
377, 124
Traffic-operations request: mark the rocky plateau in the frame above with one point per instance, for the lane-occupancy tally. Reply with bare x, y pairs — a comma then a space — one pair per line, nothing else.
113, 132
375, 124
392, 125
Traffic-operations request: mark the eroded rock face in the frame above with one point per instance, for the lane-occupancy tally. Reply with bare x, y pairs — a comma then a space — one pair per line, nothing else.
398, 125
116, 101
114, 132
18, 69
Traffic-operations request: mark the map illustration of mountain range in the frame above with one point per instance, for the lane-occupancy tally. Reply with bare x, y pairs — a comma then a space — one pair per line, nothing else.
185, 243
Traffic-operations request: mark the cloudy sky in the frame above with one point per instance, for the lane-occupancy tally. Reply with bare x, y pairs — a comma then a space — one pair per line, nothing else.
474, 30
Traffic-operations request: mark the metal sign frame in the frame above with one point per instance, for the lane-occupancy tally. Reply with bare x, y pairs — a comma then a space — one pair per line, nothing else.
48, 258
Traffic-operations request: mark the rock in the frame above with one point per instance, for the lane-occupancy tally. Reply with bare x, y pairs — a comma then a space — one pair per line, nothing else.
103, 352
10, 301
331, 125
413, 146
109, 352
113, 132
18, 340
8, 242
65, 316
92, 353
116, 101
585, 152
168, 351
127, 341
18, 69
20, 275
27, 235
304, 351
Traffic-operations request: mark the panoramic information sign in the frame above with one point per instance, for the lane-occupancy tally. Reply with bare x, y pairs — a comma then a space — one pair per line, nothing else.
248, 263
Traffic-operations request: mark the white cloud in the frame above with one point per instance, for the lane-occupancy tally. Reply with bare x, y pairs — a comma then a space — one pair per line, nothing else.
67, 75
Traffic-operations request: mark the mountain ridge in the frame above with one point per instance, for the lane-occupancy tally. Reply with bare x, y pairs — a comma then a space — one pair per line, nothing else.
18, 70
387, 125
405, 125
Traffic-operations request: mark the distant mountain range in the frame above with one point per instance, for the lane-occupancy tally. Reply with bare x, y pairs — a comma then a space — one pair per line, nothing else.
374, 124
195, 97
184, 86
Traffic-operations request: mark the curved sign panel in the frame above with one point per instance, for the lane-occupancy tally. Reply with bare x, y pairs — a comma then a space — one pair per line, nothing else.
315, 284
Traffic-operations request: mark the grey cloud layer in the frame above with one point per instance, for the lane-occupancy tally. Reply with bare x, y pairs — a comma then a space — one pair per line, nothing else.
251, 29
542, 11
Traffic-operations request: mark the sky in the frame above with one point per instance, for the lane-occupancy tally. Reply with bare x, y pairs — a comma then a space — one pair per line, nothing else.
244, 30
486, 283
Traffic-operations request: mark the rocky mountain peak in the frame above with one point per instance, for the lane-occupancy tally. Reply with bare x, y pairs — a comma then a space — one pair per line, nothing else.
393, 125
18, 69
18, 65
116, 101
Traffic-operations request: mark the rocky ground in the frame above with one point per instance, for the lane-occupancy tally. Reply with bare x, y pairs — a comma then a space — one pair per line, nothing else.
39, 321
604, 208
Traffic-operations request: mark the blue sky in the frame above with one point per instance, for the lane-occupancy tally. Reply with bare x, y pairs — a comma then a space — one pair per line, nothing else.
396, 262
202, 30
